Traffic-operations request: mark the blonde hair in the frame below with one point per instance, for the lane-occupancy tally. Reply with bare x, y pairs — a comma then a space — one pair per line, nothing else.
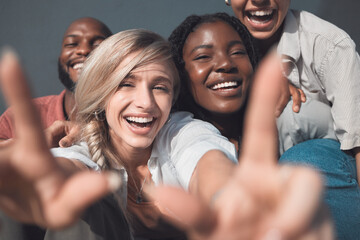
97, 84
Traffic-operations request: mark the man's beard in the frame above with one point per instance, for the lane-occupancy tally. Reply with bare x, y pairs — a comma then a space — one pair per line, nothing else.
65, 78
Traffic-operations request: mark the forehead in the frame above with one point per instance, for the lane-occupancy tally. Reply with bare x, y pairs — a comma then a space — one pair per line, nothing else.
162, 68
157, 68
81, 27
214, 32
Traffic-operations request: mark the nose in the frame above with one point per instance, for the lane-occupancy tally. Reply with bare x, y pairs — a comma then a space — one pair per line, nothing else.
144, 98
260, 2
84, 49
224, 63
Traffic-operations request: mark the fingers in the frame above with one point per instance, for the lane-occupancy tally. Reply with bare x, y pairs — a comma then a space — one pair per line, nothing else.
298, 96
283, 99
54, 133
302, 191
72, 136
302, 95
17, 94
195, 217
260, 139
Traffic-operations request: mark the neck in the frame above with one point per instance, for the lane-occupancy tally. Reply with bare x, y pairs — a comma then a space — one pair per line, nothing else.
264, 45
69, 103
132, 158
229, 125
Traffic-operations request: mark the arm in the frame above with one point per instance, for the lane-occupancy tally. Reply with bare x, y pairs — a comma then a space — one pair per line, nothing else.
356, 152
287, 90
211, 173
339, 72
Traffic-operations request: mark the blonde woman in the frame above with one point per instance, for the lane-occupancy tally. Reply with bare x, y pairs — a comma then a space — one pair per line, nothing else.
124, 98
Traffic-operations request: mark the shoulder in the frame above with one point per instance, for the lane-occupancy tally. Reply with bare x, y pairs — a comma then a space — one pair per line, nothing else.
6, 125
183, 123
45, 101
79, 152
183, 133
316, 27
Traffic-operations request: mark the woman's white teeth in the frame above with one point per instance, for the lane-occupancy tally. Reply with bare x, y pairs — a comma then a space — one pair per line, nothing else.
261, 13
224, 85
140, 119
78, 66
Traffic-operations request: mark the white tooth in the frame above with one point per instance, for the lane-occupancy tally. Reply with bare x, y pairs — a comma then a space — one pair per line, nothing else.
261, 13
140, 119
78, 66
225, 84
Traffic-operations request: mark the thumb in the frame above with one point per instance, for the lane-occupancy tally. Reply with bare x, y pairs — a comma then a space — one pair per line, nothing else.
78, 193
183, 209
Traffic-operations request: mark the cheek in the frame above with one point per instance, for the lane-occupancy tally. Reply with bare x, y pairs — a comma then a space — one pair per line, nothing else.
64, 56
196, 72
165, 104
238, 7
114, 107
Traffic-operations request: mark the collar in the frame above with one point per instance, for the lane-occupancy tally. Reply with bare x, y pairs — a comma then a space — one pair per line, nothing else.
289, 44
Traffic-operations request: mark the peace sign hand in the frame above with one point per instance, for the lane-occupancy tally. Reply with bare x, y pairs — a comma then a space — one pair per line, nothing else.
34, 186
262, 200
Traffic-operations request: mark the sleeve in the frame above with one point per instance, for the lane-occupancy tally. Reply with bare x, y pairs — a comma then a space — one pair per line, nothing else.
340, 74
190, 141
6, 125
77, 152
313, 121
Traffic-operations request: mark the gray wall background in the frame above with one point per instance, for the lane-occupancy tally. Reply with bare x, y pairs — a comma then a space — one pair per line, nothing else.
35, 27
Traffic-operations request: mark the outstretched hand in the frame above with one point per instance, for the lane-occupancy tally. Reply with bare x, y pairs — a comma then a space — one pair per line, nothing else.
262, 200
34, 186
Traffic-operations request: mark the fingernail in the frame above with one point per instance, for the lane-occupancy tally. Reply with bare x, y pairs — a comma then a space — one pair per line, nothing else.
296, 108
8, 51
63, 144
273, 234
114, 181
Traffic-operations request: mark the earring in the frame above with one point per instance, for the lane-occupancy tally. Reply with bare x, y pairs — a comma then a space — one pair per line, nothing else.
100, 115
228, 2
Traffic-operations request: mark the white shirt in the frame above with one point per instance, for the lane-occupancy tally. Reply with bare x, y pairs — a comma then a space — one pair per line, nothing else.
177, 148
326, 66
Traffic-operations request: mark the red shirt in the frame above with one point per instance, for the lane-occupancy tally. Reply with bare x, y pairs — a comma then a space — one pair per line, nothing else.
50, 109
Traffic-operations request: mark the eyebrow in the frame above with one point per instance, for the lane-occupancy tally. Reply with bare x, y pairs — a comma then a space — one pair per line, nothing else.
160, 79
74, 35
209, 46
157, 79
232, 43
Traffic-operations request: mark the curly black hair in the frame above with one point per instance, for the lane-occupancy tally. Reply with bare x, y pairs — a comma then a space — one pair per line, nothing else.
177, 41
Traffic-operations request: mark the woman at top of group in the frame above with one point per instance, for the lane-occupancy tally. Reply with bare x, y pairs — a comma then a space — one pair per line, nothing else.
321, 60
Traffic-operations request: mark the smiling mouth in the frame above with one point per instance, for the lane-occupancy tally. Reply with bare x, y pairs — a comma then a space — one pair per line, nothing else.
78, 66
260, 16
225, 85
140, 122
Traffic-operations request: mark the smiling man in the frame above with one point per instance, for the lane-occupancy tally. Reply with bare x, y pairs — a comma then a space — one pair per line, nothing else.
81, 37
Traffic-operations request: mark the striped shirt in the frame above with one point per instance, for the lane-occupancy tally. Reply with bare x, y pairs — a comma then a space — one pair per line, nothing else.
325, 65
